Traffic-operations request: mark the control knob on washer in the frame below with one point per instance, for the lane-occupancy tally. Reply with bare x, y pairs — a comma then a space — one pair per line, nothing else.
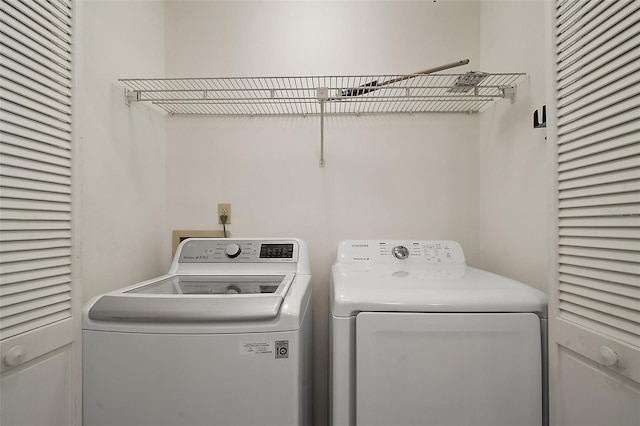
232, 250
400, 252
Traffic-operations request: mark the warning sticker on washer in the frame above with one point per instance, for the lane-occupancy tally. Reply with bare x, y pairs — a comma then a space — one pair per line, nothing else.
256, 348
282, 349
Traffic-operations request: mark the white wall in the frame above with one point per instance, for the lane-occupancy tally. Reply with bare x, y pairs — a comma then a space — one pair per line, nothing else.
385, 176
121, 149
515, 160
283, 38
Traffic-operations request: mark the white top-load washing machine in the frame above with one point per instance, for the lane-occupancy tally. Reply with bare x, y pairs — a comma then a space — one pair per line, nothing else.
419, 338
223, 339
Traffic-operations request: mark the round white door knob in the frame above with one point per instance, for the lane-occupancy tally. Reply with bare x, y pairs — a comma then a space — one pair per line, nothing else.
607, 356
15, 356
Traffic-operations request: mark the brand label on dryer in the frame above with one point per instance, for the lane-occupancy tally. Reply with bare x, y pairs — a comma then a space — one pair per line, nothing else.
256, 348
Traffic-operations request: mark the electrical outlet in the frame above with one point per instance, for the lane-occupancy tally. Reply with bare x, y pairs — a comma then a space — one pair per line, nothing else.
224, 208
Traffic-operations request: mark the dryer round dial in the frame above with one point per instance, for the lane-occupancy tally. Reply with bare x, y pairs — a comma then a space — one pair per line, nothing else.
232, 250
400, 252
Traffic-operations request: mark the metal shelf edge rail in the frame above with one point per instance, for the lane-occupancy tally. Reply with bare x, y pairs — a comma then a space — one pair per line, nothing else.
469, 92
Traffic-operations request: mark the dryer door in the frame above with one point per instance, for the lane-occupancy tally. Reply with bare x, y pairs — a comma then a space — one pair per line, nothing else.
448, 369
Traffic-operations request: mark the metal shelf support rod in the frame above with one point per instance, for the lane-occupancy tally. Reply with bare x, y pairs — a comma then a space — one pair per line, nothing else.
323, 94
322, 133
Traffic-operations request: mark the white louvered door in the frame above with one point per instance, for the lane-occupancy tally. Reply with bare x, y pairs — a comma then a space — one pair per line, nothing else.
595, 310
38, 318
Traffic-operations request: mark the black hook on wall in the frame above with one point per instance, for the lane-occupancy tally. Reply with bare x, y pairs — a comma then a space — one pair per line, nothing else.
537, 122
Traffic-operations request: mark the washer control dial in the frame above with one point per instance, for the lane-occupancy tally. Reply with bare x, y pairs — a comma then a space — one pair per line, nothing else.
400, 252
232, 250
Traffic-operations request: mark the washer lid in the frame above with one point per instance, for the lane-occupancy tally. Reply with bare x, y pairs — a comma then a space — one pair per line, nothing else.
425, 288
196, 298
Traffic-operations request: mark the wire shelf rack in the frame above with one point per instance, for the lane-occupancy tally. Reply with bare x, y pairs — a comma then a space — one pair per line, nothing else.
469, 92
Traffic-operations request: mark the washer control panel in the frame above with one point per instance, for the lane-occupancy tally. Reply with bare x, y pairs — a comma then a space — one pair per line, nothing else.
215, 250
412, 251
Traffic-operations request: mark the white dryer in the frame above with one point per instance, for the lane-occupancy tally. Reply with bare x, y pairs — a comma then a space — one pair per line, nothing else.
418, 338
223, 339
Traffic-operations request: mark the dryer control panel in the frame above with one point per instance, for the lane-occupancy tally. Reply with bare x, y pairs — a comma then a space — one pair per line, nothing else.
237, 251
400, 251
